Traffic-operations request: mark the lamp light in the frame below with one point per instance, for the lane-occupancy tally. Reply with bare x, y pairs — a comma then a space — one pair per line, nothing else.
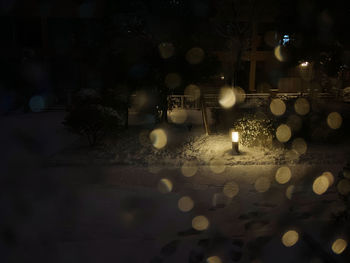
235, 142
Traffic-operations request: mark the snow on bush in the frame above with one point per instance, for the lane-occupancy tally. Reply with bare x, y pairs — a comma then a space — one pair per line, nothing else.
254, 131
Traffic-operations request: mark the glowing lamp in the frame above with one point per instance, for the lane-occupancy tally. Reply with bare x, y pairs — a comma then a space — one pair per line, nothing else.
235, 141
304, 64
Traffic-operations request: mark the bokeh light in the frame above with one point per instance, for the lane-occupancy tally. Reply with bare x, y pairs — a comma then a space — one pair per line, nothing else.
334, 120
262, 184
166, 50
290, 238
292, 156
339, 246
290, 191
37, 103
320, 185
283, 175
178, 116
189, 168
217, 166
193, 92
277, 107
278, 53
295, 122
185, 204
299, 145
283, 133
165, 186
346, 173
330, 177
302, 106
172, 80
195, 55
231, 189
200, 223
227, 97
214, 259
239, 94
344, 187
158, 138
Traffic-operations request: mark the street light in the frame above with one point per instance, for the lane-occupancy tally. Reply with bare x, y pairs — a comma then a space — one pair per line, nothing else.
235, 141
304, 64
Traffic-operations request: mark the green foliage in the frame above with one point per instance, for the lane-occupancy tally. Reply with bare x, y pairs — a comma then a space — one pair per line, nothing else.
254, 131
94, 115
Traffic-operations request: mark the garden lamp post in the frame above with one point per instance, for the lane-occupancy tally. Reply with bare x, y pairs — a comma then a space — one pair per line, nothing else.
235, 141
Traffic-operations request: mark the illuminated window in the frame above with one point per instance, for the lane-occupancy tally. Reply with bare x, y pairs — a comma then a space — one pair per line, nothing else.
285, 39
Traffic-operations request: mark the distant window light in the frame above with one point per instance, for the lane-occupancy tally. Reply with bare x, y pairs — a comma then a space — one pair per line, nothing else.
285, 39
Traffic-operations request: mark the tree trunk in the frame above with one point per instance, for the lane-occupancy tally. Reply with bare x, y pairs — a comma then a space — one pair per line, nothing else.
204, 116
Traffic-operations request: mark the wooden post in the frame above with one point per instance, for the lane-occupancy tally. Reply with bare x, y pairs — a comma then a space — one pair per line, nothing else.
204, 116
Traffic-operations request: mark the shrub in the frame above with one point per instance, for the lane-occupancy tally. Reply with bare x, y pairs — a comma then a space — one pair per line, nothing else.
93, 115
254, 130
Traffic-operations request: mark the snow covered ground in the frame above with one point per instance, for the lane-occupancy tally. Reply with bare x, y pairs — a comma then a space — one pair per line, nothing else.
64, 202
134, 147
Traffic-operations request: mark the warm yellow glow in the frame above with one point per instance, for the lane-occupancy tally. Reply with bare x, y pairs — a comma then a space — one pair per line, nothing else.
277, 107
231, 189
166, 50
290, 192
214, 259
320, 185
283, 175
217, 166
227, 97
239, 94
283, 133
304, 64
299, 145
329, 176
178, 116
334, 120
278, 53
302, 106
185, 204
344, 186
339, 246
222, 77
158, 138
189, 168
172, 80
165, 186
262, 184
235, 136
290, 238
193, 92
200, 223
195, 55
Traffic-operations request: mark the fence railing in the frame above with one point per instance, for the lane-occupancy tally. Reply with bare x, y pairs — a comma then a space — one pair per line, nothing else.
212, 100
